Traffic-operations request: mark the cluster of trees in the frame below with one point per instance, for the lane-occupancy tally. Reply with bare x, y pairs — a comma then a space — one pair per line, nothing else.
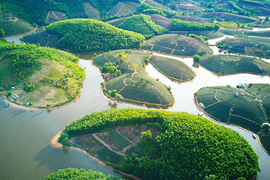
202, 38
75, 174
142, 24
179, 25
87, 35
146, 8
110, 68
243, 11
189, 147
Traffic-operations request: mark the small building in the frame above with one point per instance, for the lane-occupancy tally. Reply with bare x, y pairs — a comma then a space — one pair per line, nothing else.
236, 94
260, 102
200, 113
201, 105
12, 88
119, 96
240, 86
15, 96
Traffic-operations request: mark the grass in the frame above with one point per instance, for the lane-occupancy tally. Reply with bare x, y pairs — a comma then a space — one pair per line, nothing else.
175, 45
232, 64
134, 85
17, 27
254, 46
221, 16
29, 64
244, 110
173, 69
118, 140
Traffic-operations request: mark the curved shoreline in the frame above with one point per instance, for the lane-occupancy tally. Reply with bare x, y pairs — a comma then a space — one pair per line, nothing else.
54, 143
207, 116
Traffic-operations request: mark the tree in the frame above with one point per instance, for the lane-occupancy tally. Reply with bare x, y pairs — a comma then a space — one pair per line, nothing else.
2, 33
196, 58
114, 93
48, 105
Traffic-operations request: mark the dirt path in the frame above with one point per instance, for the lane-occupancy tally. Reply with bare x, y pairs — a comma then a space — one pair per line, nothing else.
102, 142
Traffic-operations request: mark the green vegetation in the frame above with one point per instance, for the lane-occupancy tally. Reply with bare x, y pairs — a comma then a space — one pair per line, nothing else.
85, 35
123, 9
254, 46
173, 69
195, 151
196, 58
247, 109
40, 75
13, 27
75, 174
148, 9
232, 64
131, 84
142, 24
175, 45
179, 25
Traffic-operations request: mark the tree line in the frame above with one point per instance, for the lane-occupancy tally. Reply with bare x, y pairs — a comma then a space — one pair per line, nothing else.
179, 25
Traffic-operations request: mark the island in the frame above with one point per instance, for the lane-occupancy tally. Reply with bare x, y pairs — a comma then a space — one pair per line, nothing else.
157, 144
247, 106
33, 76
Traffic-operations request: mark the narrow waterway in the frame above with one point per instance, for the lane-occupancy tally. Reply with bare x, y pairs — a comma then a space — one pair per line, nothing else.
25, 151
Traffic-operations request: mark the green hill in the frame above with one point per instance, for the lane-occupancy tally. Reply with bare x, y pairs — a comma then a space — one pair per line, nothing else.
142, 24
175, 45
75, 174
88, 35
39, 75
232, 64
185, 146
129, 79
249, 109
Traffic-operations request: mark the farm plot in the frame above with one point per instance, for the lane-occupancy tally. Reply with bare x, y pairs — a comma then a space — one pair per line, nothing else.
117, 141
16, 26
254, 46
173, 69
161, 20
43, 38
109, 156
220, 111
220, 16
91, 11
123, 8
176, 45
245, 123
54, 16
232, 64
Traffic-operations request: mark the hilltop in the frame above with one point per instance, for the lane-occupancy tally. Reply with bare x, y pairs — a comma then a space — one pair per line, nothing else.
171, 144
142, 24
87, 35
40, 76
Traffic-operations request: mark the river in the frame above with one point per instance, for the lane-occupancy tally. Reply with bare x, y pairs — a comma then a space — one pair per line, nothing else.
26, 153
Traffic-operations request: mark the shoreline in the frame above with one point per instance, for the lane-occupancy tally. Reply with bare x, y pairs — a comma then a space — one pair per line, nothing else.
54, 143
207, 116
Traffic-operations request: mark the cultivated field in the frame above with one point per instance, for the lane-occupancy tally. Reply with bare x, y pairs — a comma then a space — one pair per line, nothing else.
255, 46
161, 20
54, 16
175, 45
123, 8
221, 16
231, 64
243, 109
133, 85
173, 69
91, 11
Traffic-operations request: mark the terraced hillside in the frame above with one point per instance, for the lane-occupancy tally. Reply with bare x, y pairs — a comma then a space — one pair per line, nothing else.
173, 69
175, 45
40, 77
126, 79
232, 64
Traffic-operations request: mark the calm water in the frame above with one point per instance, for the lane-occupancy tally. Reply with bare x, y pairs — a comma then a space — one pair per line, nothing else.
25, 151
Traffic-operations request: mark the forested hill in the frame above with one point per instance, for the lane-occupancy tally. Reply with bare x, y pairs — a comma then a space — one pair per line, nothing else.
35, 11
142, 24
89, 35
189, 146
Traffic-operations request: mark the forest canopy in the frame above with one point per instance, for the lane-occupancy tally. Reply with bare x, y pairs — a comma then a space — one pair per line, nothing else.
190, 147
87, 35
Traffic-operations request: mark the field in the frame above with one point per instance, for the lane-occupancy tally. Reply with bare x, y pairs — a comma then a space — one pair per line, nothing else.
46, 76
161, 20
175, 45
254, 46
220, 16
133, 85
173, 69
243, 110
43, 39
54, 16
91, 11
16, 26
123, 8
117, 22
112, 145
231, 64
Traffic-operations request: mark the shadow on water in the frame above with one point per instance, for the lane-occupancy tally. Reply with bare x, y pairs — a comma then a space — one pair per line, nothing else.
37, 114
16, 113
